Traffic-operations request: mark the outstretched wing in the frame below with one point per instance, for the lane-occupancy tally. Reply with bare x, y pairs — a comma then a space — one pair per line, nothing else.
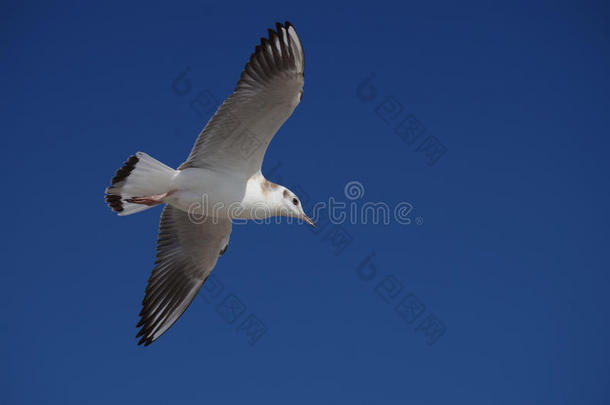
270, 88
187, 251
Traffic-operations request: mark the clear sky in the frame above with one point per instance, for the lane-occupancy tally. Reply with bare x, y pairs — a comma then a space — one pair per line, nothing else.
490, 121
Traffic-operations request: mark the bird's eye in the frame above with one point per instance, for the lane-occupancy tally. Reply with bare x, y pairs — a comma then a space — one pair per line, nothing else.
295, 201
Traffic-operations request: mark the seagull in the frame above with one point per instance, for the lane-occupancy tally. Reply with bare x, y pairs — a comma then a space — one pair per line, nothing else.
220, 180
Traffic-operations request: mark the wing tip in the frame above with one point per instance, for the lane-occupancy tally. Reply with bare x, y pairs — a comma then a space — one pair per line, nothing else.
146, 338
146, 341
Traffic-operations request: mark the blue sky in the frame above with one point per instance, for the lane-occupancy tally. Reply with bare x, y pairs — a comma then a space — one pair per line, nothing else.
496, 292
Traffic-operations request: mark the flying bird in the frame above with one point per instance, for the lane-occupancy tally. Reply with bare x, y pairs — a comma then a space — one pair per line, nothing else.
220, 180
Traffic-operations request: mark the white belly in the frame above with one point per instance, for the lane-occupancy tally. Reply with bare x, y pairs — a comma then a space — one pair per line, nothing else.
204, 192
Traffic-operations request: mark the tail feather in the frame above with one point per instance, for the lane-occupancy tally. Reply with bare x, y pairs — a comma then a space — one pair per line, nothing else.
140, 176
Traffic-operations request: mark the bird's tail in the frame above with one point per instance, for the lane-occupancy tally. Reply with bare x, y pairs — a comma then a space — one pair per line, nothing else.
142, 182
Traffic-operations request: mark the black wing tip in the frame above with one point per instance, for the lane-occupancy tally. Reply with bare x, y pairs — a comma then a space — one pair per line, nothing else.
145, 341
272, 33
144, 333
279, 27
286, 25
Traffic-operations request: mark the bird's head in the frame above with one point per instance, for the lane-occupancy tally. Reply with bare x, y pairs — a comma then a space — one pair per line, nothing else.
290, 206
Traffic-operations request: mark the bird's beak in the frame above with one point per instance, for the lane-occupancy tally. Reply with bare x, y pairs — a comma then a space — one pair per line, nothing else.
308, 220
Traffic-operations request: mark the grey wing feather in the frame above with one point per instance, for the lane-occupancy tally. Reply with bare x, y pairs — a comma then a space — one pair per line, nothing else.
270, 88
186, 254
